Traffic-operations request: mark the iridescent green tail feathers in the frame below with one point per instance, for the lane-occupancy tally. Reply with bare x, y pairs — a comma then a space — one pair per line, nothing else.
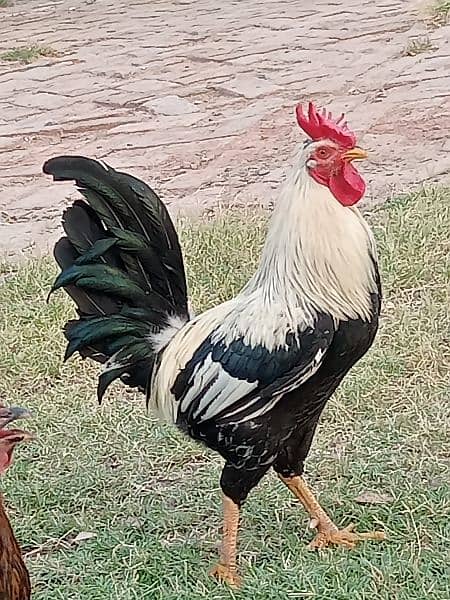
122, 264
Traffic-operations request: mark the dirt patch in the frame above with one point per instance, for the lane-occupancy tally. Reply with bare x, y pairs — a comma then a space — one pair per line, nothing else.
197, 98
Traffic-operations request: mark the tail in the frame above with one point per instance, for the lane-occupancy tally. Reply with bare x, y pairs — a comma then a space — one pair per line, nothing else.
121, 263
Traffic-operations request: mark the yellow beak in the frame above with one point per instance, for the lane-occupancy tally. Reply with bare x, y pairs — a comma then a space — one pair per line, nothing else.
355, 154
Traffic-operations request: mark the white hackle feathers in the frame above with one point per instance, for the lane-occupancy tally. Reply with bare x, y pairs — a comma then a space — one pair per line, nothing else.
162, 338
318, 253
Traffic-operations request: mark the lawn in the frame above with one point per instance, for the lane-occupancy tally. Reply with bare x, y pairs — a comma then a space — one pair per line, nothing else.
147, 501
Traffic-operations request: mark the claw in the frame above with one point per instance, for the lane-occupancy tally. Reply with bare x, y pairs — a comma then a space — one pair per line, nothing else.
226, 574
346, 537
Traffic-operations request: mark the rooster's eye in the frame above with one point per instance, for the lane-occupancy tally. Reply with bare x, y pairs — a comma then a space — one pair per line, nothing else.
323, 152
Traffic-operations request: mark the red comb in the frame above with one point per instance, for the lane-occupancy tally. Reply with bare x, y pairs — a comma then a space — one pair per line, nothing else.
321, 126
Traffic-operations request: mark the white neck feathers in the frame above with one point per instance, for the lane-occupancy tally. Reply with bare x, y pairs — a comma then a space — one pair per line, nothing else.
317, 256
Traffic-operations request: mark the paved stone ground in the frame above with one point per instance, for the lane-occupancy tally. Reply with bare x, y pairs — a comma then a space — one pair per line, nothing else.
197, 97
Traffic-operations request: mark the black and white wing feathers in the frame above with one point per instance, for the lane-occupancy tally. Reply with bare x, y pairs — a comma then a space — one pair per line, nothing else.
236, 381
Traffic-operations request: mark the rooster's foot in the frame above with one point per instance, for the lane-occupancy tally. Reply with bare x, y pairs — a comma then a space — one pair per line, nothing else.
331, 535
226, 574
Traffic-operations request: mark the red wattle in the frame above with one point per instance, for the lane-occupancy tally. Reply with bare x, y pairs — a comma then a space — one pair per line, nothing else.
346, 185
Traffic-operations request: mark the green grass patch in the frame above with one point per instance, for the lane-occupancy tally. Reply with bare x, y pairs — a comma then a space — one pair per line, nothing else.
440, 12
152, 497
418, 46
27, 54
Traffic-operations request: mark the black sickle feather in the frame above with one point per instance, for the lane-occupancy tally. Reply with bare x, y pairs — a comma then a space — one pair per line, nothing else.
121, 263
88, 303
82, 226
127, 203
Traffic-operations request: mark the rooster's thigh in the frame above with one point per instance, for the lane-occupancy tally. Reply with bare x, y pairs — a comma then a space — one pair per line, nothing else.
294, 450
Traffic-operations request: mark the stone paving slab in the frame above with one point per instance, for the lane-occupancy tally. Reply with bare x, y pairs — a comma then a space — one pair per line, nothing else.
197, 98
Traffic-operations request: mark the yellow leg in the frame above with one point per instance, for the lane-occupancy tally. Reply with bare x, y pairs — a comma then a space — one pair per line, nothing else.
328, 532
226, 569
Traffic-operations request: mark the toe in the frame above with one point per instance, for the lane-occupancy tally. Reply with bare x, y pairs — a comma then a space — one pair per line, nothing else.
347, 537
226, 575
345, 541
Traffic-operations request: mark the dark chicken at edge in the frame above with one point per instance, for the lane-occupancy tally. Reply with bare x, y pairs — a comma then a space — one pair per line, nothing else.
14, 579
249, 378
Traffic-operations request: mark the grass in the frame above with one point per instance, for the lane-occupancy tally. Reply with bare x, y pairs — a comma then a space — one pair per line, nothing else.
440, 12
150, 498
418, 46
27, 54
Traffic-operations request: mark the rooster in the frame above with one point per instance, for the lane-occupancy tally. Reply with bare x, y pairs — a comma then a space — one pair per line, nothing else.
248, 378
14, 578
